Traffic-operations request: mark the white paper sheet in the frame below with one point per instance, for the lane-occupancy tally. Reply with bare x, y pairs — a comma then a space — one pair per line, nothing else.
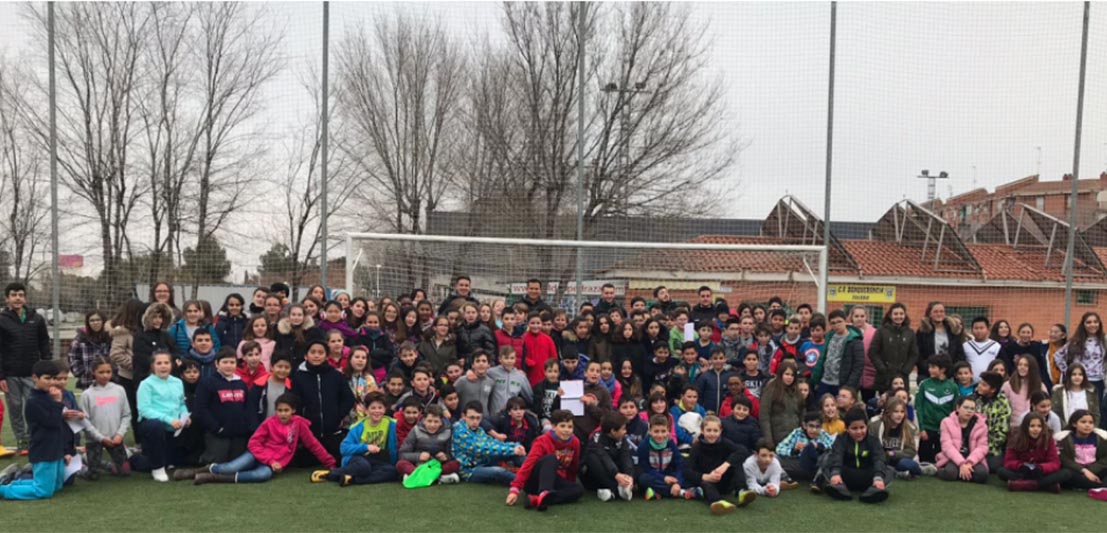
78, 426
573, 389
74, 466
574, 406
689, 333
184, 421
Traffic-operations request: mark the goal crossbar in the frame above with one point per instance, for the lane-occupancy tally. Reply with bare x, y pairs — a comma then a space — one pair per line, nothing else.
560, 243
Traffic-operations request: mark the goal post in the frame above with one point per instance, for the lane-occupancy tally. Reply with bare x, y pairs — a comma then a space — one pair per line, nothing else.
740, 269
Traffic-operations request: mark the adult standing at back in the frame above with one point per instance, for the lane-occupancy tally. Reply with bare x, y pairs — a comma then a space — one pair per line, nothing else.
704, 310
938, 334
24, 340
463, 287
533, 298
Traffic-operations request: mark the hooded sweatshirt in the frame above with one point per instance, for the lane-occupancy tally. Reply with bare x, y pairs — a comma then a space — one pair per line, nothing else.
507, 384
274, 442
421, 440
221, 407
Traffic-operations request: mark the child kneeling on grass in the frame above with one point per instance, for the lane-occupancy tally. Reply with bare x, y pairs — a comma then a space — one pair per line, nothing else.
855, 463
714, 467
270, 449
660, 464
369, 449
43, 413
430, 439
109, 417
549, 473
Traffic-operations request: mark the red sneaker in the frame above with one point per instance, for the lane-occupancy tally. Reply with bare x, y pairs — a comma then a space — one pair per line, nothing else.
1098, 494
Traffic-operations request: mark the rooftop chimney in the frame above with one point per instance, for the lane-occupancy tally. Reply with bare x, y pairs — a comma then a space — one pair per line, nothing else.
1066, 177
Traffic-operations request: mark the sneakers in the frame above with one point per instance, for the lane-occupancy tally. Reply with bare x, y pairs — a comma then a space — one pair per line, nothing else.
721, 507
928, 469
4, 452
24, 451
693, 493
347, 480
319, 476
604, 495
815, 488
183, 474
651, 494
404, 479
626, 493
536, 501
903, 474
7, 475
838, 492
789, 485
1022, 485
1098, 494
746, 497
1054, 488
873, 495
449, 479
159, 475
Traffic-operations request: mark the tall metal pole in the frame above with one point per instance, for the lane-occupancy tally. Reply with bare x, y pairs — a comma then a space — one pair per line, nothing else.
1069, 250
581, 22
824, 255
55, 292
325, 135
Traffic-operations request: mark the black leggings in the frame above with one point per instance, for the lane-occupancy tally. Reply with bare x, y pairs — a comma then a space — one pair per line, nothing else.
544, 478
713, 492
1061, 476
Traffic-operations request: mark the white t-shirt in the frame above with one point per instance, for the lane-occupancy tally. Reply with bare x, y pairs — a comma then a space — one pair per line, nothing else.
980, 354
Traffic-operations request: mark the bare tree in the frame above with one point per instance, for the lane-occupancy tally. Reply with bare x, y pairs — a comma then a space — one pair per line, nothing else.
23, 230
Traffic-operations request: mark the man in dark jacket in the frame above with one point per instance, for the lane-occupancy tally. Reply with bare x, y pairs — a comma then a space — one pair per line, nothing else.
24, 340
533, 299
704, 310
608, 466
607, 302
327, 400
462, 288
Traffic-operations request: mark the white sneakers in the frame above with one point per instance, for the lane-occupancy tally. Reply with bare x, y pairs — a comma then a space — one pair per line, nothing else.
160, 475
604, 495
626, 493
449, 479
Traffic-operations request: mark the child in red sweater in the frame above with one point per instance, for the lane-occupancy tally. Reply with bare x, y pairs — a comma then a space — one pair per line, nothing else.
270, 449
1032, 462
549, 474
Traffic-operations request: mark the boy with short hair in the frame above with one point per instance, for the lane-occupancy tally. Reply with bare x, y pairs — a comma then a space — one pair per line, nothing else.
658, 368
326, 401
43, 413
996, 409
980, 350
789, 345
704, 344
842, 360
764, 348
637, 429
395, 386
369, 451
406, 417
855, 463
429, 440
549, 473
422, 390
799, 452
221, 409
735, 389
752, 376
476, 386
508, 381
687, 428
547, 394
777, 319
202, 352
506, 336
572, 365
660, 464
711, 384
262, 397
731, 341
741, 428
933, 402
513, 423
812, 346
608, 467
478, 453
676, 332
689, 365
763, 471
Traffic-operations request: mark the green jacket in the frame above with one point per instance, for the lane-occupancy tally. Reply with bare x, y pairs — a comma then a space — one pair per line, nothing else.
934, 402
853, 359
997, 410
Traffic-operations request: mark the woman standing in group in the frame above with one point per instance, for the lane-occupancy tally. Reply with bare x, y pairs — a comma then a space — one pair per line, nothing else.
92, 343
1087, 347
295, 332
938, 334
162, 292
1058, 338
257, 302
894, 349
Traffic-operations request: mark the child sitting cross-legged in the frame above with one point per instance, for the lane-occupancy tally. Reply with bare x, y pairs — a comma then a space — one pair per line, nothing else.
855, 463
270, 449
608, 466
430, 439
897, 435
660, 464
369, 449
714, 467
1032, 461
800, 451
549, 473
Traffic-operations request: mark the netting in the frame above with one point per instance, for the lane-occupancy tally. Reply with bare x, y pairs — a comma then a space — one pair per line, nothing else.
702, 123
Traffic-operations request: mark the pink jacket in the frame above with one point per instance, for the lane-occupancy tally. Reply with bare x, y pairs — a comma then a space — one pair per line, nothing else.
951, 442
1020, 401
868, 374
274, 442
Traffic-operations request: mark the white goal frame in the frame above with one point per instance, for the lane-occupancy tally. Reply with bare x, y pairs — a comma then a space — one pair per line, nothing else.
820, 279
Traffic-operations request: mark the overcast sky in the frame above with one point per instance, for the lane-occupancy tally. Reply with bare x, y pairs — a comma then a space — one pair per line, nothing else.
938, 86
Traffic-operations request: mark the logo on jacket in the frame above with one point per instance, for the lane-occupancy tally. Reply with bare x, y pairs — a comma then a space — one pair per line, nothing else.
235, 395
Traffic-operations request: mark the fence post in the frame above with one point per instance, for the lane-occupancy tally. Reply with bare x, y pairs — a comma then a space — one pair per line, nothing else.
824, 255
1070, 249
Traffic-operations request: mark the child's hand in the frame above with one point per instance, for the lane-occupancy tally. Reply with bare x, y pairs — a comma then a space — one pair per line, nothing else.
117, 440
176, 424
520, 450
1090, 476
442, 457
373, 448
923, 435
836, 480
770, 491
624, 480
560, 392
511, 498
56, 394
275, 467
800, 445
589, 399
70, 414
675, 490
107, 443
711, 477
68, 458
670, 480
878, 484
471, 376
966, 472
424, 457
498, 436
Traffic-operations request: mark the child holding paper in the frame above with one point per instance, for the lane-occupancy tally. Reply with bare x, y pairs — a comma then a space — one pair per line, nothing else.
161, 414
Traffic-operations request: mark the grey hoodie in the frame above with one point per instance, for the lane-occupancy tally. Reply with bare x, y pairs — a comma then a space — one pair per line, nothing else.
420, 440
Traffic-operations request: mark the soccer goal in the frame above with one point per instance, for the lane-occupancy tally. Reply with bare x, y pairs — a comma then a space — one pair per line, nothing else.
740, 269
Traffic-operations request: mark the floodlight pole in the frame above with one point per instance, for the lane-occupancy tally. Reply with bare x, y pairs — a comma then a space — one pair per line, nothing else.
1070, 248
583, 7
824, 254
324, 138
55, 289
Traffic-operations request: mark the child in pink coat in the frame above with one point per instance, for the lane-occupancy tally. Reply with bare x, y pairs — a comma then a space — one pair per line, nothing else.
964, 459
270, 449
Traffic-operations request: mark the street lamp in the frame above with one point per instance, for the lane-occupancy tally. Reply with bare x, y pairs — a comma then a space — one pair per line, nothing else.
378, 291
639, 87
932, 182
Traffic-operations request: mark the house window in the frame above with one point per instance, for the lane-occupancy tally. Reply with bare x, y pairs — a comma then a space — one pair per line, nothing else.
967, 313
1085, 297
1039, 203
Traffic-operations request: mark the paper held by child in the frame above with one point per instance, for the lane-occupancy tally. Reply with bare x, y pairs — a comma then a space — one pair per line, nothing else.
74, 466
78, 426
570, 400
184, 422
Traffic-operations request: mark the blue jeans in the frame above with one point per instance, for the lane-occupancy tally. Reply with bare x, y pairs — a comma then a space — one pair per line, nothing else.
491, 474
49, 477
246, 469
907, 465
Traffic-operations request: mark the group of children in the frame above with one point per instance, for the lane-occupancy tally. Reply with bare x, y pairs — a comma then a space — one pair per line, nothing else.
744, 410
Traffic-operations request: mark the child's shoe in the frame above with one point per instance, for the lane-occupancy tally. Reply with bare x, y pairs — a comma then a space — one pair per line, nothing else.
1022, 485
815, 488
7, 475
873, 495
693, 493
346, 481
449, 479
789, 485
319, 476
903, 474
746, 497
1054, 488
208, 477
604, 495
536, 501
125, 470
721, 507
651, 494
4, 452
838, 492
1098, 494
928, 469
626, 493
159, 475
91, 475
183, 474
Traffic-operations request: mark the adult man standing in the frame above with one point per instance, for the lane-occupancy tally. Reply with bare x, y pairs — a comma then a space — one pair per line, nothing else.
533, 299
704, 310
24, 340
664, 300
462, 288
607, 301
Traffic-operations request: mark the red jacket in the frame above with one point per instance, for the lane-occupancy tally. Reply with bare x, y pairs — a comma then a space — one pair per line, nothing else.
755, 410
402, 427
274, 442
251, 378
567, 453
1046, 458
791, 351
505, 339
537, 349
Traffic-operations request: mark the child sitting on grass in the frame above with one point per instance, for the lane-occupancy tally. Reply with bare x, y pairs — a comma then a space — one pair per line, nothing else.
429, 440
270, 449
714, 468
1032, 462
369, 449
161, 409
828, 408
478, 453
109, 417
608, 467
549, 473
763, 471
856, 462
661, 465
897, 435
1083, 451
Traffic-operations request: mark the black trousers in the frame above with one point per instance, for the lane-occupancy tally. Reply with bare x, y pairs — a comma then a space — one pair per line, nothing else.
544, 478
1061, 476
595, 475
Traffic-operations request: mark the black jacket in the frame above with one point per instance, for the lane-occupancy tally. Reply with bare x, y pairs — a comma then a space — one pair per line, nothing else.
325, 397
604, 308
743, 433
22, 342
630, 351
706, 457
615, 455
847, 453
257, 398
229, 329
925, 337
143, 348
381, 350
286, 340
445, 305
48, 428
536, 306
502, 424
221, 407
471, 337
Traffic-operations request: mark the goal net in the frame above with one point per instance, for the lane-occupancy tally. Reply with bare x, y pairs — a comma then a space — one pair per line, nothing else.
738, 269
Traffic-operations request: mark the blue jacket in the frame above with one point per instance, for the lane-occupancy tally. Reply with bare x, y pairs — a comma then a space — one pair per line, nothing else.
658, 464
229, 330
161, 399
221, 407
684, 437
476, 448
352, 444
712, 387
178, 333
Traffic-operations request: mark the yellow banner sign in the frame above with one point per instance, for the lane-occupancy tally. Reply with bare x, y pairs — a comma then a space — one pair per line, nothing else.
872, 294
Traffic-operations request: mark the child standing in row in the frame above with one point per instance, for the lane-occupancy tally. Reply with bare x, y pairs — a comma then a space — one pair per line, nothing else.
932, 403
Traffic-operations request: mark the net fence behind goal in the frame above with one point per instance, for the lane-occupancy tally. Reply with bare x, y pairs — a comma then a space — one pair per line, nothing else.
737, 269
